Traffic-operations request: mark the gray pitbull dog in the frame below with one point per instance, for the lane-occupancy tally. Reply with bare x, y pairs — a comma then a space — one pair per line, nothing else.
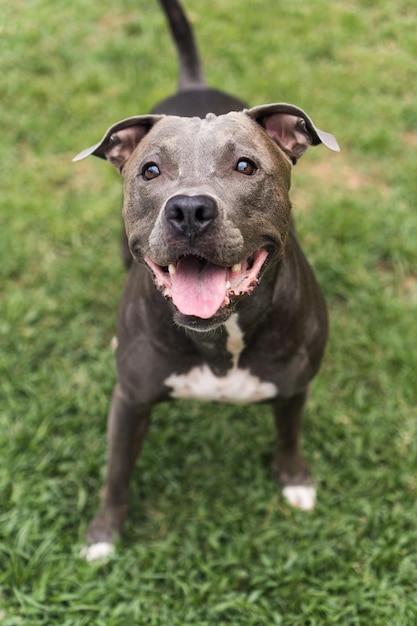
220, 303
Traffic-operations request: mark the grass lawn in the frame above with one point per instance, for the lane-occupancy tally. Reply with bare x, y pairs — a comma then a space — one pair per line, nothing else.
209, 540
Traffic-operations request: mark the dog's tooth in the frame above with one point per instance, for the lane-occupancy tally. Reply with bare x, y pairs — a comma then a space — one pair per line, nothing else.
237, 267
228, 284
172, 269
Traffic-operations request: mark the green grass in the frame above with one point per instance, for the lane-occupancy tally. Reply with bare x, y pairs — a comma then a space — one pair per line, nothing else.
209, 541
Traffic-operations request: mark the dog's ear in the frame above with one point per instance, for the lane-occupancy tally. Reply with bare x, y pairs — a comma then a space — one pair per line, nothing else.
121, 139
291, 128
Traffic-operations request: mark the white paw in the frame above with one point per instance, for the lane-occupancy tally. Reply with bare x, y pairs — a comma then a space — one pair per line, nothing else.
300, 497
96, 551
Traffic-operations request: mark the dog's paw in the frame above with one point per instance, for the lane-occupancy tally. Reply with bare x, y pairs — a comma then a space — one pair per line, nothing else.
96, 551
300, 496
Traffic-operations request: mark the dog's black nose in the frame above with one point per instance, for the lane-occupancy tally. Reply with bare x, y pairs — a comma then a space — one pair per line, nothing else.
190, 216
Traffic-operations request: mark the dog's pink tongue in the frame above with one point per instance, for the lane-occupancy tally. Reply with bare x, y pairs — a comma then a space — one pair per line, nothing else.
198, 287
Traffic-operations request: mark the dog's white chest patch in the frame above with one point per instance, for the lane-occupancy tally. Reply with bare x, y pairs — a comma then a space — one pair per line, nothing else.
237, 386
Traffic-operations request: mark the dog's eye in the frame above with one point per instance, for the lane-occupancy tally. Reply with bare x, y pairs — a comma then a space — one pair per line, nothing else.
150, 171
246, 166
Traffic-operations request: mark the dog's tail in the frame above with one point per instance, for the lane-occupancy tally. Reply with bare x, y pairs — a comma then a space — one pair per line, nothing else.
191, 74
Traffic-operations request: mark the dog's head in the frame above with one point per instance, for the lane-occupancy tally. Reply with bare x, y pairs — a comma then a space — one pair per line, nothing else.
206, 202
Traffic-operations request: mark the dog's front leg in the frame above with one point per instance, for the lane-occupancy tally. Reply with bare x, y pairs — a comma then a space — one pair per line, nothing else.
289, 466
127, 426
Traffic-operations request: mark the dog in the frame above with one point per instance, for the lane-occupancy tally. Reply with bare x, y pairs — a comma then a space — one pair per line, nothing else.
220, 302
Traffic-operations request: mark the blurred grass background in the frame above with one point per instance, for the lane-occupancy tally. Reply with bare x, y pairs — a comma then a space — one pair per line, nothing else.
209, 541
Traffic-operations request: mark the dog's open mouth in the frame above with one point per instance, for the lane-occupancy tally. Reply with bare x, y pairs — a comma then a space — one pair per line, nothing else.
199, 288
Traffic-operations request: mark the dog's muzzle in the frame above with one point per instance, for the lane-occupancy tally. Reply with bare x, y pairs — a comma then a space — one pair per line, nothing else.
196, 283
